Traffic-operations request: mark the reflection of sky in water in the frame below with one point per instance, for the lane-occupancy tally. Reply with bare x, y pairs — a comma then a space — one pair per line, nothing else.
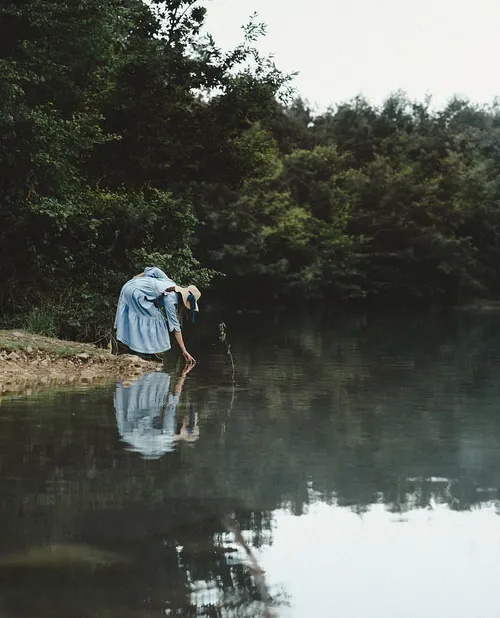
430, 562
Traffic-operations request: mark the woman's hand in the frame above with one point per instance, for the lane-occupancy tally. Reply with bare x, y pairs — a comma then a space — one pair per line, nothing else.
185, 353
188, 358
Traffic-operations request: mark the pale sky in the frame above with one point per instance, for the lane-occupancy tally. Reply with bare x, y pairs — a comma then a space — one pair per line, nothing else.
374, 47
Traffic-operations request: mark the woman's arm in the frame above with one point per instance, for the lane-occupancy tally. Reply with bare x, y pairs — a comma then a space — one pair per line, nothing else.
173, 324
180, 341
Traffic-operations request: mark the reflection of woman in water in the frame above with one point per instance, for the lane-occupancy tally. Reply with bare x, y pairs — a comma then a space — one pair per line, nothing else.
146, 414
140, 323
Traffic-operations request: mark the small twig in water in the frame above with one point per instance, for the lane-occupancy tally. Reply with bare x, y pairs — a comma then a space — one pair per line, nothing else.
223, 338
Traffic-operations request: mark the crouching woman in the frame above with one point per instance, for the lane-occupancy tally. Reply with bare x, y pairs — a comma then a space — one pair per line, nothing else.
140, 323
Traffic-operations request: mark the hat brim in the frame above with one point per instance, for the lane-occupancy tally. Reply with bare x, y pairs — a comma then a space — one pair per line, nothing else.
184, 292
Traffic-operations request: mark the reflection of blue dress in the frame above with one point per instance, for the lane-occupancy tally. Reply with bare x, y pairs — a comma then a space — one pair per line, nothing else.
139, 323
145, 415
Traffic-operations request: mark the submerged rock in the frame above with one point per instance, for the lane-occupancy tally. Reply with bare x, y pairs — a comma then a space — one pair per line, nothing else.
62, 556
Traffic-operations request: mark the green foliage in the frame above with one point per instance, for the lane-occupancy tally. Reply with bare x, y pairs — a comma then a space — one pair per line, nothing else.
423, 198
129, 138
394, 202
111, 114
42, 321
282, 232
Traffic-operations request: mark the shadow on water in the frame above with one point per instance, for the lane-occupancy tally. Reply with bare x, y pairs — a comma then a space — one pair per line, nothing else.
118, 503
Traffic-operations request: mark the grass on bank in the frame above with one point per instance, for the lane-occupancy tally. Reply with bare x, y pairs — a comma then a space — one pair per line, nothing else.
22, 341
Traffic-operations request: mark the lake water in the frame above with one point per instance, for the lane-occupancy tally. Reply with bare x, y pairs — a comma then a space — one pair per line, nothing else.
351, 471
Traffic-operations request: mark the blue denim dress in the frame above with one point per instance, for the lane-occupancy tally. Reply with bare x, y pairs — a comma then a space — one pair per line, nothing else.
139, 323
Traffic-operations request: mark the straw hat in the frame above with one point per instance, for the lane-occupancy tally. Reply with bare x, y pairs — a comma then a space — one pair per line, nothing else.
184, 292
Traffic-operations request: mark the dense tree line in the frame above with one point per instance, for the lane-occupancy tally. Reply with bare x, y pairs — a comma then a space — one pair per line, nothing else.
127, 137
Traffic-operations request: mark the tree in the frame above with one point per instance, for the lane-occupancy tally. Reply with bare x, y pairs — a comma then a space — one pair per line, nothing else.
112, 115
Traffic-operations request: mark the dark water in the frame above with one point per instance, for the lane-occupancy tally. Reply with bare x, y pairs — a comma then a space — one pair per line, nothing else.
357, 462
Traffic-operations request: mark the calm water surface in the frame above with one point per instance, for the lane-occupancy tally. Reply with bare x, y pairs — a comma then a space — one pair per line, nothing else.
356, 461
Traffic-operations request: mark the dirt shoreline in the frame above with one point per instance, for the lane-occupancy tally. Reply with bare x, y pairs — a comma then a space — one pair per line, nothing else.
30, 363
